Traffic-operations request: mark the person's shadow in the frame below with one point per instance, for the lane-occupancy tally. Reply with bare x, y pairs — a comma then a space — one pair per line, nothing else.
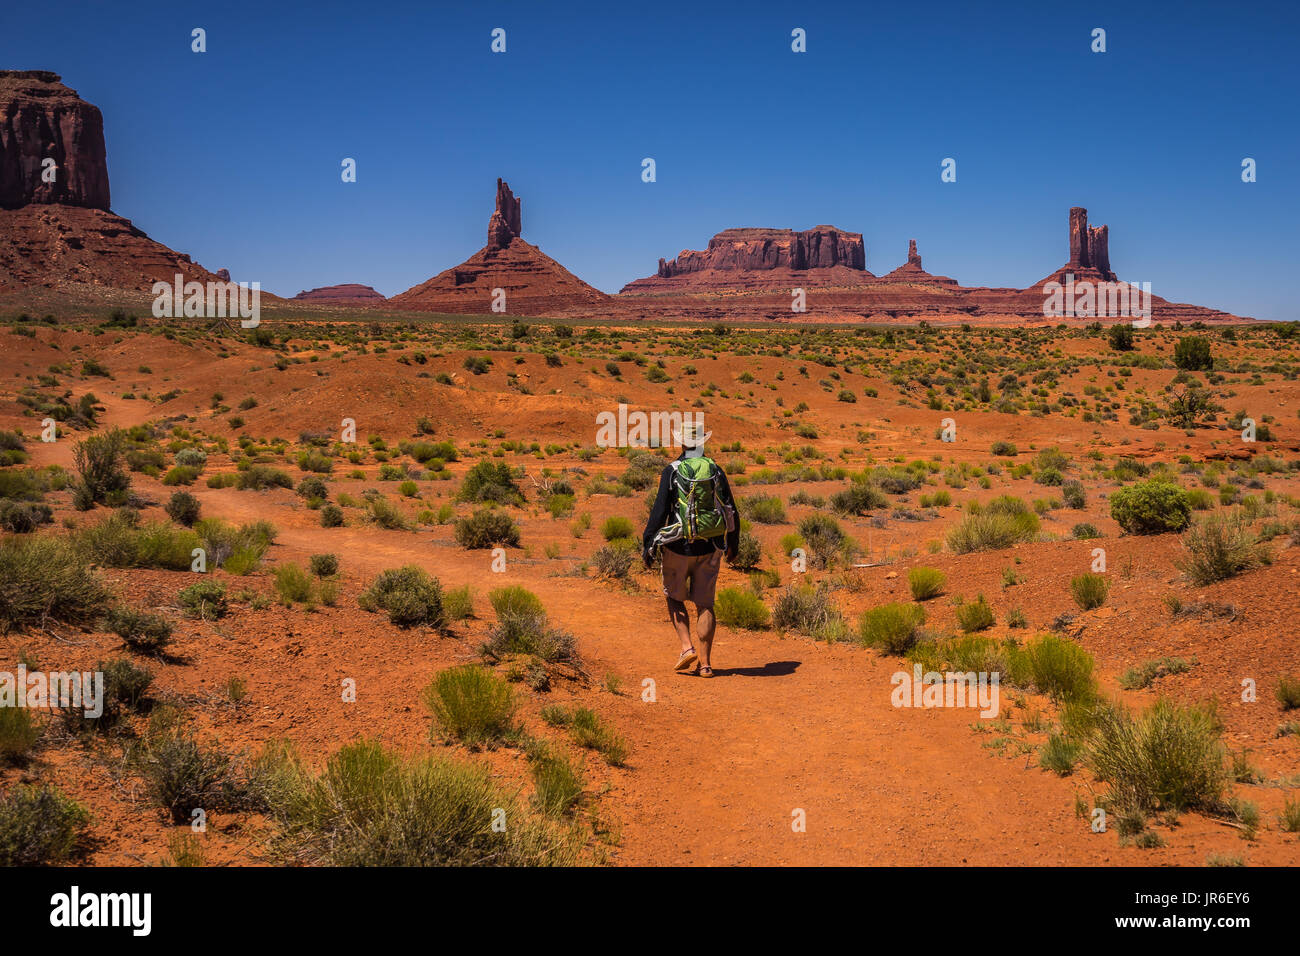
770, 669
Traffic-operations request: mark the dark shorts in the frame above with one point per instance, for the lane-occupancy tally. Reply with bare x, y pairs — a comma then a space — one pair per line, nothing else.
691, 577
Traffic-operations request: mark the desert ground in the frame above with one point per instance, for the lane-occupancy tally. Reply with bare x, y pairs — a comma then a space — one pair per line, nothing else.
834, 440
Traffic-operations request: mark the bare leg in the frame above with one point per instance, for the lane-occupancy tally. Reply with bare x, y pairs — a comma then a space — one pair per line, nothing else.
681, 619
704, 625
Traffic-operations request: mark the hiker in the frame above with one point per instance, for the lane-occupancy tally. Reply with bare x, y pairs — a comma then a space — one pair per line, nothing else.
692, 524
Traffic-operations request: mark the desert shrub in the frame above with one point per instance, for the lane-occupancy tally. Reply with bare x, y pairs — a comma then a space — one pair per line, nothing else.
180, 475
1151, 507
1073, 495
1120, 337
1221, 546
487, 528
126, 691
44, 579
992, 531
926, 583
204, 599
259, 477
182, 775
892, 628
1083, 531
1003, 448
490, 483
24, 517
238, 549
473, 706
313, 488
557, 787
331, 516
39, 826
765, 509
141, 631
590, 732
748, 551
738, 607
409, 594
387, 515
1059, 668
183, 508
857, 499
970, 652
523, 628
1170, 758
99, 462
371, 807
643, 470
18, 733
1192, 354
1060, 753
975, 616
292, 584
324, 565
807, 610
316, 461
192, 458
824, 537
615, 561
1089, 590
458, 604
616, 526
1146, 673
1288, 693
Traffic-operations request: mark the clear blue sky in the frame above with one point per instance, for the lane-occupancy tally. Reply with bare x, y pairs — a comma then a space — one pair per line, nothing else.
234, 155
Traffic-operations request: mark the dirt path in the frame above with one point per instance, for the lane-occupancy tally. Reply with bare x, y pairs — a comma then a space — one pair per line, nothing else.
719, 768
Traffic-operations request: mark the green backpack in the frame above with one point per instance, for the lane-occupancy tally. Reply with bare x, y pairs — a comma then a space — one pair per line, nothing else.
701, 514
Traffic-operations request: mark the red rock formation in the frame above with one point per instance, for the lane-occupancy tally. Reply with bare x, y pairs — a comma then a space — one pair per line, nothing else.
42, 119
534, 283
741, 250
348, 293
913, 257
60, 235
911, 271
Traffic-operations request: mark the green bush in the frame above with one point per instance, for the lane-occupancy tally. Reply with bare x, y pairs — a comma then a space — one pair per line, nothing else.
810, 611
975, 616
926, 583
824, 538
472, 705
183, 508
331, 516
1151, 507
324, 565
738, 607
260, 477
858, 499
1057, 667
557, 787
99, 462
18, 733
1170, 758
615, 527
992, 531
592, 733
1219, 547
182, 775
487, 528
371, 807
523, 628
47, 579
1089, 590
892, 628
409, 594
204, 599
492, 484
615, 561
765, 509
1192, 354
292, 584
39, 826
141, 631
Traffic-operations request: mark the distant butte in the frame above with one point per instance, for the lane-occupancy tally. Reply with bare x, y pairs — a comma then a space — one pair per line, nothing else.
61, 235
533, 282
348, 293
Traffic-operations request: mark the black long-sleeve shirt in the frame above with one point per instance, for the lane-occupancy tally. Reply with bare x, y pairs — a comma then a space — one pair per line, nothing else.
662, 511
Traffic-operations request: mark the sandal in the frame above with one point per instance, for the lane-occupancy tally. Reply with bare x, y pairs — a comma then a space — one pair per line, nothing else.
686, 660
705, 672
